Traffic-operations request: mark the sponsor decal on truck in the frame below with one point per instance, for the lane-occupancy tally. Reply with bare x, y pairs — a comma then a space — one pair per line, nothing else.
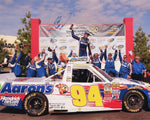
27, 88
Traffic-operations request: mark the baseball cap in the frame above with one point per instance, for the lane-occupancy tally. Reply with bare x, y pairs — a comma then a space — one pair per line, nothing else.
87, 33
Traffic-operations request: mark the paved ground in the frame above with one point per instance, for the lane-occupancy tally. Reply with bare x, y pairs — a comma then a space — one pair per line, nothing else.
14, 114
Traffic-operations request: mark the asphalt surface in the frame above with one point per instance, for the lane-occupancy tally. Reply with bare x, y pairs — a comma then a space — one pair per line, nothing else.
14, 114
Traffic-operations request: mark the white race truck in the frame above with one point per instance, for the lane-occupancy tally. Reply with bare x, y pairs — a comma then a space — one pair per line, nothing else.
84, 87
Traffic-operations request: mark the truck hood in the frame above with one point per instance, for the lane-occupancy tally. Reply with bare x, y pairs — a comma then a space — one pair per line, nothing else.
130, 81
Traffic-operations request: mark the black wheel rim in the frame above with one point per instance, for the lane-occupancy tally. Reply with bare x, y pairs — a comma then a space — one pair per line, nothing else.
35, 105
134, 101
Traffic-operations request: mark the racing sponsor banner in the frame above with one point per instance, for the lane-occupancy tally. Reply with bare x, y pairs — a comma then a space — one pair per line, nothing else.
59, 37
9, 101
10, 88
96, 30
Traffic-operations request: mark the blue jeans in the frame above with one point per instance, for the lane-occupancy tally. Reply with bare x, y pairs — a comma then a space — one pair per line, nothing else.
82, 53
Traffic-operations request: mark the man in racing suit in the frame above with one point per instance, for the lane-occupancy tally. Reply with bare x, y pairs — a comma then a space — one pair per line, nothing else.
84, 43
14, 63
125, 67
31, 69
51, 65
110, 62
39, 63
96, 60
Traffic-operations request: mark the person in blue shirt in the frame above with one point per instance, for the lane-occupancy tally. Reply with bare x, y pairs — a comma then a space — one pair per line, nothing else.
39, 63
14, 63
41, 55
110, 62
31, 69
51, 65
96, 59
138, 69
84, 43
125, 67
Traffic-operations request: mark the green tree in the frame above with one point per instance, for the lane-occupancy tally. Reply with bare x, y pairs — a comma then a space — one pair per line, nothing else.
3, 52
141, 47
24, 34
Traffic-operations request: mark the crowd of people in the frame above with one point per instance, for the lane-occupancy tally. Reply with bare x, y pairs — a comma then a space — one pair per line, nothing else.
134, 69
36, 66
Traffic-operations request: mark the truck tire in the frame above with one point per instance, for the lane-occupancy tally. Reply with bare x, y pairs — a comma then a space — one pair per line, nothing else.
35, 104
133, 101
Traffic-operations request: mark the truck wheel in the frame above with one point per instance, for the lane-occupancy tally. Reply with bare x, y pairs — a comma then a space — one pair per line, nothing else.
35, 104
133, 101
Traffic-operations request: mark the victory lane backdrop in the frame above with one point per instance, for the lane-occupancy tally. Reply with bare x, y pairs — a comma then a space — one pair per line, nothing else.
59, 37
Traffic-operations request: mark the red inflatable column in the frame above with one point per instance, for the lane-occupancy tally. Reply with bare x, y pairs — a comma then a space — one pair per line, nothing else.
129, 34
35, 37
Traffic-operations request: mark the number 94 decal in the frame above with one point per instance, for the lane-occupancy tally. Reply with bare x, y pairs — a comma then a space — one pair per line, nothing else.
79, 96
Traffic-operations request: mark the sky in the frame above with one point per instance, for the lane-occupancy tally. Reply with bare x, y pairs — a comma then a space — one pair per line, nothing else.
73, 11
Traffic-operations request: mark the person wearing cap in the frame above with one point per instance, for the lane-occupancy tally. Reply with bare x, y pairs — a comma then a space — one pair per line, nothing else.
51, 65
84, 42
31, 68
96, 59
138, 69
110, 62
125, 67
39, 63
14, 63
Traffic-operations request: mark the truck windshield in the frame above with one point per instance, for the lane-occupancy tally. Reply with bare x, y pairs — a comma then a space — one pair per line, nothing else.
103, 73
